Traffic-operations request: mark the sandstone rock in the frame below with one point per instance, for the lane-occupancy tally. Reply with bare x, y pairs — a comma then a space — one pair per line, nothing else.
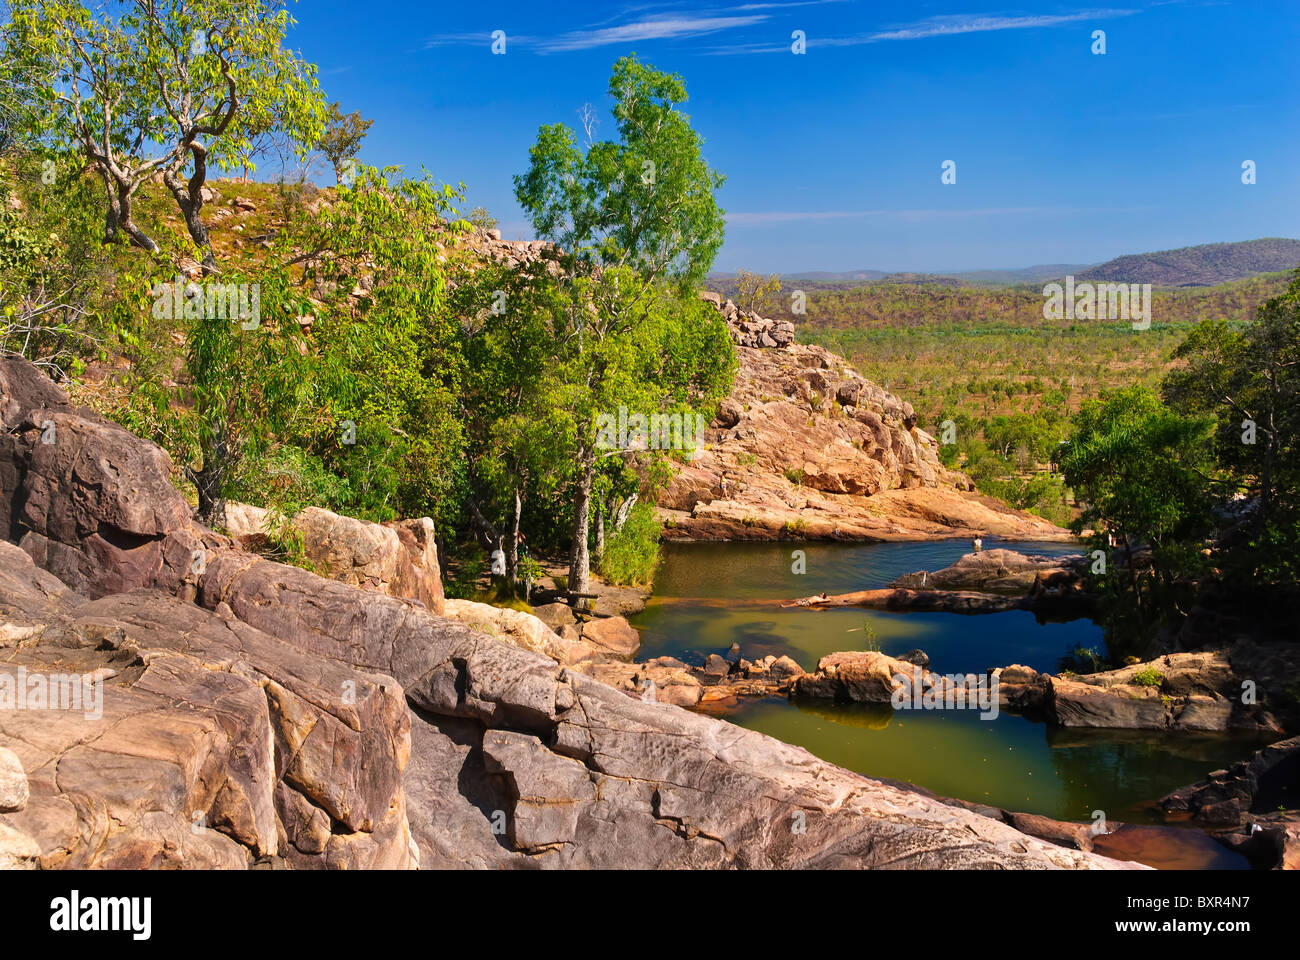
993, 571
247, 525
90, 502
918, 657
715, 666
1261, 784
400, 558
614, 634
523, 630
1198, 691
207, 722
952, 601
554, 615
861, 677
13, 782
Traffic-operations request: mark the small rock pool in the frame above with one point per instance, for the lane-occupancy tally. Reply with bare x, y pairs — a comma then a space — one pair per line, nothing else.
709, 596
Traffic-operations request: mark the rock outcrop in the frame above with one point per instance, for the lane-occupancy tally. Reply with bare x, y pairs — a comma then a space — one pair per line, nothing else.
252, 712
991, 582
806, 448
399, 559
1200, 691
1251, 807
1000, 571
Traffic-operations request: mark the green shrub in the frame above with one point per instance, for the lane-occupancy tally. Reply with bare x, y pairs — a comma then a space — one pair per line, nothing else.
1149, 677
632, 554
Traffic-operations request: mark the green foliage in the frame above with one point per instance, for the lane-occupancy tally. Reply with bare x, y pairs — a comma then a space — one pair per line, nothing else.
1138, 466
636, 227
1247, 379
167, 88
482, 219
755, 292
471, 565
1081, 660
632, 554
1148, 677
644, 201
342, 136
1138, 469
347, 403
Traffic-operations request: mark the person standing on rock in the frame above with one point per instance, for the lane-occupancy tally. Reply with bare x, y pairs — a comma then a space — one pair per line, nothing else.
978, 544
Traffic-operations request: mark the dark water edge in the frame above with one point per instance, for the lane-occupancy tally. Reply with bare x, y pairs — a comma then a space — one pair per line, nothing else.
710, 595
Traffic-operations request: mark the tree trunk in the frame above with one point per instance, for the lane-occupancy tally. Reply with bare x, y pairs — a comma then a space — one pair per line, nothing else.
600, 530
579, 559
208, 481
512, 559
189, 198
117, 218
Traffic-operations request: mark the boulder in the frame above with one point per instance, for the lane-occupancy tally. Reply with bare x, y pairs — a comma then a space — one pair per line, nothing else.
523, 630
1268, 780
13, 782
1196, 692
863, 677
994, 571
613, 634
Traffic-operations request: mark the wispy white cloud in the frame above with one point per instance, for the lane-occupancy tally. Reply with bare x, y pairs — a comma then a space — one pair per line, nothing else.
770, 217
945, 26
658, 27
938, 26
651, 28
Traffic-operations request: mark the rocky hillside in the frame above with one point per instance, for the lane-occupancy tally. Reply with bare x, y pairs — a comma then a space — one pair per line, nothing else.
238, 712
805, 447
1202, 266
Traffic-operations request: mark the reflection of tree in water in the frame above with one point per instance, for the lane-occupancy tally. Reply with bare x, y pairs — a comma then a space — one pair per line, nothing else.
869, 716
758, 639
1124, 771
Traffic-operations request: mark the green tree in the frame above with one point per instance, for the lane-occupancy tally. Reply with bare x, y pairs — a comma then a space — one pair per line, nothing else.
1247, 377
753, 291
628, 216
160, 88
341, 140
1139, 470
350, 401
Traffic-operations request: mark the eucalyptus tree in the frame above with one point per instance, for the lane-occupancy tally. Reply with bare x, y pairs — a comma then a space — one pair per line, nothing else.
160, 88
636, 226
1247, 377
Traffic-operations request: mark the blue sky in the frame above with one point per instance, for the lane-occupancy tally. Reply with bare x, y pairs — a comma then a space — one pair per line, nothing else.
833, 158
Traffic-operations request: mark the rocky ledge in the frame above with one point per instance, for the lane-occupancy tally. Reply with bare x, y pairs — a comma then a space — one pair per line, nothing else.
235, 711
1250, 807
1179, 691
992, 581
806, 448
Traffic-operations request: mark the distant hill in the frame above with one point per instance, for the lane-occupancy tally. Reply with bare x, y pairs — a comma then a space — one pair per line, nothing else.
1012, 278
1203, 266
1207, 265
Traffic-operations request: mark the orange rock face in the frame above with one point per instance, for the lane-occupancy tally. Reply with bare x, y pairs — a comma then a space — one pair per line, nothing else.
807, 448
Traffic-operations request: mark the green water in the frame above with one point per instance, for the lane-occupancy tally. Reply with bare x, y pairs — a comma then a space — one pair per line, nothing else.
709, 596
